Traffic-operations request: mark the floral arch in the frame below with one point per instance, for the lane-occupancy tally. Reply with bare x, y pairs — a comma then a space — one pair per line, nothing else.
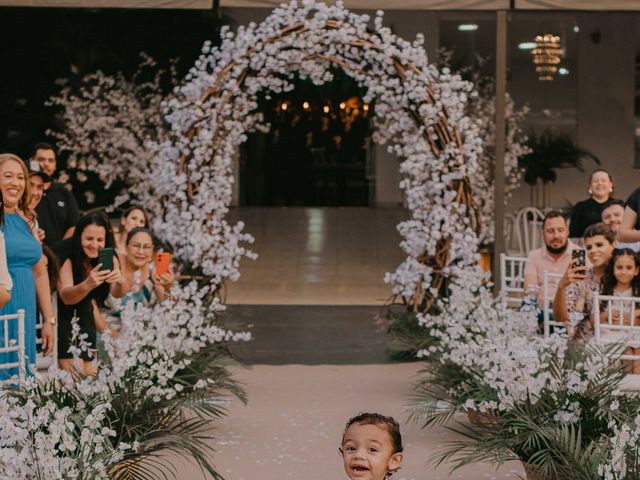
419, 113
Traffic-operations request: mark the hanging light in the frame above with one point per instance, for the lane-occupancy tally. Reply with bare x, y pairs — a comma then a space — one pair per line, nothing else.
306, 105
547, 56
284, 106
467, 27
365, 107
342, 105
325, 109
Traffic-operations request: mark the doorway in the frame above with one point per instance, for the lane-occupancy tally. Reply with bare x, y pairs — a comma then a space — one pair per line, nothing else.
316, 153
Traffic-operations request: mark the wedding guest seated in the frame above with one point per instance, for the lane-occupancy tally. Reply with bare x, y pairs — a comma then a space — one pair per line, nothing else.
622, 279
554, 256
83, 286
612, 217
371, 447
573, 296
589, 212
134, 216
141, 282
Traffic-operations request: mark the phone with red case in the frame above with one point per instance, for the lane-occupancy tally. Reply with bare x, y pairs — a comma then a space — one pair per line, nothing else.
163, 259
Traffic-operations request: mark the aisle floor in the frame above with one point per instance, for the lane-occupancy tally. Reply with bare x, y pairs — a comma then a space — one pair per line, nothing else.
293, 424
318, 256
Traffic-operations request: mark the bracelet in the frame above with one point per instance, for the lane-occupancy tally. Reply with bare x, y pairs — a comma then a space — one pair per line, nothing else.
52, 321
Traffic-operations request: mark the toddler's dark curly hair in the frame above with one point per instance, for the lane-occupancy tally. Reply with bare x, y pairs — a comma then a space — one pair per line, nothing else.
389, 423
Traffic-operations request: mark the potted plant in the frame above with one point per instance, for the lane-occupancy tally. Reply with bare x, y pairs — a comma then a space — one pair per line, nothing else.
548, 152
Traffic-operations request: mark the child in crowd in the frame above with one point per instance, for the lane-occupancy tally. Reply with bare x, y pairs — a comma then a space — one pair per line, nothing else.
621, 279
371, 447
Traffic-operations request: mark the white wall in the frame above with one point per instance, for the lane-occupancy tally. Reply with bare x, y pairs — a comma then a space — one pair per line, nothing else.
604, 108
601, 93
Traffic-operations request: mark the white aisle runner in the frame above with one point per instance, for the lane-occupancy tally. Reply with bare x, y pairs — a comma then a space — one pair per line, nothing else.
296, 414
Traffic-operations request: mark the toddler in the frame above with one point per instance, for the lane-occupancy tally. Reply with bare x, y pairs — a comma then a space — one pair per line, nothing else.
371, 447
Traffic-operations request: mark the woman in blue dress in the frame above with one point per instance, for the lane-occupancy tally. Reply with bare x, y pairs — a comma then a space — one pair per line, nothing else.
26, 265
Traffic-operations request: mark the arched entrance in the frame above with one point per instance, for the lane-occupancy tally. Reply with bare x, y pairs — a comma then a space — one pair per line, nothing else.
419, 112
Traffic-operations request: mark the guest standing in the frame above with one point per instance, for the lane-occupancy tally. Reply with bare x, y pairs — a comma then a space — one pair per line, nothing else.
25, 262
83, 286
6, 284
132, 217
589, 212
630, 226
142, 284
58, 211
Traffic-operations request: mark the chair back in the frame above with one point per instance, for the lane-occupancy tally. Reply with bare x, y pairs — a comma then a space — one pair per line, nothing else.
617, 320
510, 243
528, 226
12, 345
512, 280
549, 279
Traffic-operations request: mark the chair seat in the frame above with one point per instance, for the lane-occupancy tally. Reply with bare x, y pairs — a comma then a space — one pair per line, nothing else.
630, 383
629, 339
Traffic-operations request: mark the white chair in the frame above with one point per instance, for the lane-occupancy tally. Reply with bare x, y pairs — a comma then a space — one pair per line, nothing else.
10, 346
510, 243
528, 226
512, 280
549, 279
618, 326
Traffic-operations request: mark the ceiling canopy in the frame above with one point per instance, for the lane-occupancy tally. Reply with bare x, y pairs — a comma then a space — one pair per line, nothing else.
192, 4
619, 5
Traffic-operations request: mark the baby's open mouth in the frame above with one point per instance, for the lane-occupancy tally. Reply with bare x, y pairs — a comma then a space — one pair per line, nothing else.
360, 468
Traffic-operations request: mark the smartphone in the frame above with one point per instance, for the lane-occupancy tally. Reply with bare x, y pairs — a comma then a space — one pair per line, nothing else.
578, 258
105, 257
162, 262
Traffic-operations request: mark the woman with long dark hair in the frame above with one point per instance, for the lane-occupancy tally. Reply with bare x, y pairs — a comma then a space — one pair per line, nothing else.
83, 286
574, 293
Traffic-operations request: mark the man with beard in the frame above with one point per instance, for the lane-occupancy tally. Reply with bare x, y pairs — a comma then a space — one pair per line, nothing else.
554, 257
612, 217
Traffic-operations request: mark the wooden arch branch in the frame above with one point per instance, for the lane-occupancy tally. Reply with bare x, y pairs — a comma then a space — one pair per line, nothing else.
445, 135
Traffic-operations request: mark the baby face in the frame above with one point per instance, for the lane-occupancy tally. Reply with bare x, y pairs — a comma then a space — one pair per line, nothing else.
367, 452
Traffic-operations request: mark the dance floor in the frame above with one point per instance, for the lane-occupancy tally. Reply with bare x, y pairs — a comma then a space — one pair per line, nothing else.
318, 356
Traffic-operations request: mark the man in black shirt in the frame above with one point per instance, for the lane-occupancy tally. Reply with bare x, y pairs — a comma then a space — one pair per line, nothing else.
58, 211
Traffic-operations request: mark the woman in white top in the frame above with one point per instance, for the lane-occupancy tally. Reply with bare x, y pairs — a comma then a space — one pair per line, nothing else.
5, 279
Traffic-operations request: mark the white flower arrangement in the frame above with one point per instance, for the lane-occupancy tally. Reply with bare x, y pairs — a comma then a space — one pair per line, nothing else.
108, 122
623, 449
482, 109
73, 428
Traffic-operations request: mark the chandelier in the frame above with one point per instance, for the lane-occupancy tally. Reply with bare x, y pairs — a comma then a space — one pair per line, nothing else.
547, 56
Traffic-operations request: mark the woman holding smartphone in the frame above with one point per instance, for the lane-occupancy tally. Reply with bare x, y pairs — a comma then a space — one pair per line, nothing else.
579, 281
84, 285
142, 283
